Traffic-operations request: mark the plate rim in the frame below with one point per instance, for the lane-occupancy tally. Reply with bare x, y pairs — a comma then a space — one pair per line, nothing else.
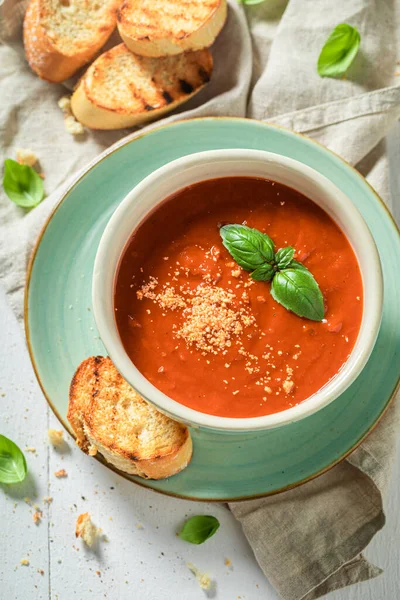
93, 163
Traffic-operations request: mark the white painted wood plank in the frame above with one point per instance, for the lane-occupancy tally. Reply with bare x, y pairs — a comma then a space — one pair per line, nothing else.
143, 557
143, 523
23, 418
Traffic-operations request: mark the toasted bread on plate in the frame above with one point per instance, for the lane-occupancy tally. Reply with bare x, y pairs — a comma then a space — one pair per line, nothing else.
108, 416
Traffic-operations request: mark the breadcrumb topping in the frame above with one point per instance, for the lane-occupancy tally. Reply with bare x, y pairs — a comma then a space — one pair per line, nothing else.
211, 317
214, 320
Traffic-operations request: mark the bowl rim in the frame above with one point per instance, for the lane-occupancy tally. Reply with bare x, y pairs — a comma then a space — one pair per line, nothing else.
110, 336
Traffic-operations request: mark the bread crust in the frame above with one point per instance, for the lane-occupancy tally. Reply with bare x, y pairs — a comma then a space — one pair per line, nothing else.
161, 40
152, 99
97, 393
43, 56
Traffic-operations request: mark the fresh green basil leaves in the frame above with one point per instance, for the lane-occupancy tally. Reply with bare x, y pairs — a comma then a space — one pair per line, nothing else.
198, 529
297, 290
264, 272
22, 184
249, 247
12, 462
284, 257
293, 285
339, 51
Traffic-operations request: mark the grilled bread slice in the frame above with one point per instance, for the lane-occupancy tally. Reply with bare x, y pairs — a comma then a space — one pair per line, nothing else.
60, 36
121, 89
110, 417
163, 27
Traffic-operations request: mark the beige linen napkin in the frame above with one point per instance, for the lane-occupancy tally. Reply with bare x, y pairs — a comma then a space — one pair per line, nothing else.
309, 540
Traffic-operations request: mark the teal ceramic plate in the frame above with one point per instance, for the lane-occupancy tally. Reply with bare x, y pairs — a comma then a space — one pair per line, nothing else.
61, 331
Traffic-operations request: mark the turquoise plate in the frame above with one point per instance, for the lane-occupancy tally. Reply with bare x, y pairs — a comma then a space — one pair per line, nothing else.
61, 331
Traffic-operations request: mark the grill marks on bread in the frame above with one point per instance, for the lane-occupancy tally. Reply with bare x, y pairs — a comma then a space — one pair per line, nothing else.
108, 416
163, 27
121, 89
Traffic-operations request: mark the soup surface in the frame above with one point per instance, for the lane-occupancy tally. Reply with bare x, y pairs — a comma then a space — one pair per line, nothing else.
203, 332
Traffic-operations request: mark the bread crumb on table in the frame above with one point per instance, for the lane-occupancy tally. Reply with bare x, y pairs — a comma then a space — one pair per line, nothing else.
30, 449
55, 436
24, 562
37, 516
61, 473
203, 579
26, 157
86, 529
47, 499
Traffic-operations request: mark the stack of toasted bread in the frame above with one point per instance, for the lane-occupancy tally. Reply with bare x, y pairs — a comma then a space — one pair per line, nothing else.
163, 61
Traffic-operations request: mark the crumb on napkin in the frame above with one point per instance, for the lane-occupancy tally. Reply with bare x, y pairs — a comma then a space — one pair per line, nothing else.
26, 157
72, 126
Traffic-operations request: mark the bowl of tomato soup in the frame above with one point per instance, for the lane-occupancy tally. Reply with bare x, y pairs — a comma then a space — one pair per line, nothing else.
211, 328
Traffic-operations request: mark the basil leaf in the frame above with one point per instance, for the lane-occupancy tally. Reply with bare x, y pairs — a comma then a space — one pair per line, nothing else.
339, 51
12, 462
22, 184
250, 248
284, 256
264, 272
294, 264
198, 529
297, 290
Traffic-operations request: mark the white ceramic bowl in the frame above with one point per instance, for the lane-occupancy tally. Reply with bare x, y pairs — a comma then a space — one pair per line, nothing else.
222, 163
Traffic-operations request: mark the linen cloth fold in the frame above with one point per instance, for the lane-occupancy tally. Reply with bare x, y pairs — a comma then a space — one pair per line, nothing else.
308, 540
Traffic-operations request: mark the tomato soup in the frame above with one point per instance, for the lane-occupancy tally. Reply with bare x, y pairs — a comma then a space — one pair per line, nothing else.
201, 330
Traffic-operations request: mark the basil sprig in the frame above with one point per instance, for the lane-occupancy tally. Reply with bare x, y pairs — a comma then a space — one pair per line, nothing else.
293, 285
22, 184
284, 256
249, 247
12, 462
339, 51
198, 529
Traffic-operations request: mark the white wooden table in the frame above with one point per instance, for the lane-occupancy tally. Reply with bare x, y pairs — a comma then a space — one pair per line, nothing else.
143, 559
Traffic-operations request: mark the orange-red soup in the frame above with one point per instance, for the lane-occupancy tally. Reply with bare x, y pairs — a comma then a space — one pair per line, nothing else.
203, 332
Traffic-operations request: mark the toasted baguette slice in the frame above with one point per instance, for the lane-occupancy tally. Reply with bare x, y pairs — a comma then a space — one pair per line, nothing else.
110, 417
121, 89
60, 36
163, 27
